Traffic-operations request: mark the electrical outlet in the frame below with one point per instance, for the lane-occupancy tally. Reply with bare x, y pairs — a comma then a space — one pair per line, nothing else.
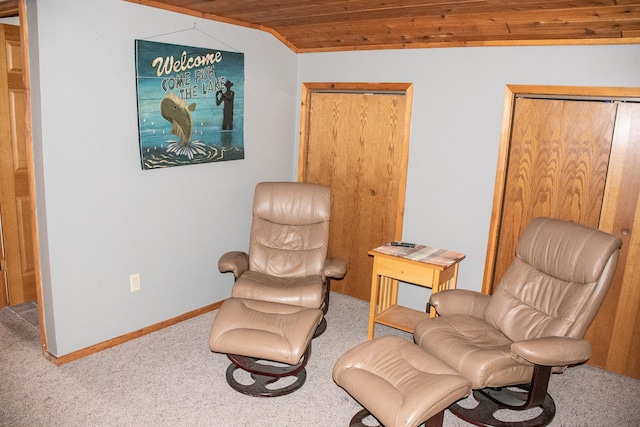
134, 282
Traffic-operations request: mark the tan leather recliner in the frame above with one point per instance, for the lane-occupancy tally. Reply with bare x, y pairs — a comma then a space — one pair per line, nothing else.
287, 260
533, 324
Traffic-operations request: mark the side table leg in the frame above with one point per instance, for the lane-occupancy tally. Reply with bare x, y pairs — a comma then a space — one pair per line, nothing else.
375, 282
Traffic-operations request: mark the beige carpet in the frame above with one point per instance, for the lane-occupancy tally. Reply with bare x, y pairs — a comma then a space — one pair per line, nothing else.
170, 378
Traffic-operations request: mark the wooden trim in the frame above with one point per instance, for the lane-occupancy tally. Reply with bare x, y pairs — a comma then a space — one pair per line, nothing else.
624, 325
484, 43
511, 92
357, 86
307, 88
498, 190
3, 289
9, 8
130, 336
24, 43
408, 93
583, 91
5, 134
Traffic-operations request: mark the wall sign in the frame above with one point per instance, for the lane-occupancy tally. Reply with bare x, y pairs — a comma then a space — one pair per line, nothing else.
190, 104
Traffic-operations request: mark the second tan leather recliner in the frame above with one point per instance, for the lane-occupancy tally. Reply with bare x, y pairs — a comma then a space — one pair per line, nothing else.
533, 324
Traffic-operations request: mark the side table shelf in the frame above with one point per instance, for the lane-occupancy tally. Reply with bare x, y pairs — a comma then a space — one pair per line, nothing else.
422, 266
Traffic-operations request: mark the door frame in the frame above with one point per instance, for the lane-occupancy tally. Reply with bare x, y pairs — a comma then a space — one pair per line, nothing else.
19, 7
511, 92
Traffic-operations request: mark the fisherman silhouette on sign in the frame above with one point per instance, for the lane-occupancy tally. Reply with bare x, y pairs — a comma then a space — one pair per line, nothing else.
227, 109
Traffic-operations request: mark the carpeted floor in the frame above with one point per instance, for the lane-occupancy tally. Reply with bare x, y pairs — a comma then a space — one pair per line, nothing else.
170, 378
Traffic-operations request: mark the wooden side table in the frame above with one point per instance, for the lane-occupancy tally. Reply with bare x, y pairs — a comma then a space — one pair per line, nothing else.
422, 266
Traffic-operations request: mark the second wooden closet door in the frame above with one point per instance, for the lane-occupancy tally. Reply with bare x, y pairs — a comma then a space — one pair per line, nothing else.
557, 167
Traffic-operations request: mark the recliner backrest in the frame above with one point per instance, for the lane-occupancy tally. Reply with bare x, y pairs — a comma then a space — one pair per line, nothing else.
556, 283
290, 228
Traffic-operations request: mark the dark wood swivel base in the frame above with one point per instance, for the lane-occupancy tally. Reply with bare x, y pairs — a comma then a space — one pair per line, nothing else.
267, 340
358, 420
265, 375
528, 396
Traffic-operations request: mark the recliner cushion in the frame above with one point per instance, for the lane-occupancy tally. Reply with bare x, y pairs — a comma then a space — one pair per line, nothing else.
263, 330
305, 291
397, 382
474, 348
530, 304
290, 228
565, 250
295, 203
556, 281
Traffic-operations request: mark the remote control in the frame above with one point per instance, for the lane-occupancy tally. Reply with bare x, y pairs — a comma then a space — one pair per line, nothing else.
403, 244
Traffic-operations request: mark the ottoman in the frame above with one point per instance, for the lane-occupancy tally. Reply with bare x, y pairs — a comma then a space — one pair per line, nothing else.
254, 334
399, 383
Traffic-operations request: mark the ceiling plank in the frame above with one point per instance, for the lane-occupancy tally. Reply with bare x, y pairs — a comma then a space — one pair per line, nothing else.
9, 8
334, 25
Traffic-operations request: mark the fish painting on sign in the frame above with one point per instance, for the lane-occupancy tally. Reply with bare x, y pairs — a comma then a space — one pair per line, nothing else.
187, 111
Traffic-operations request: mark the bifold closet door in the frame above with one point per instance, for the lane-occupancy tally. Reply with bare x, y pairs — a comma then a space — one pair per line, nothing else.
356, 142
615, 332
574, 153
557, 167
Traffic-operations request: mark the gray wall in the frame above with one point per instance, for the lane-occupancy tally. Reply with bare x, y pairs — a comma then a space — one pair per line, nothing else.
457, 114
102, 218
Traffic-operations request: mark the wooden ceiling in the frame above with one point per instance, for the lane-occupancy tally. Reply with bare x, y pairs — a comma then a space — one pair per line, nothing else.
334, 25
8, 8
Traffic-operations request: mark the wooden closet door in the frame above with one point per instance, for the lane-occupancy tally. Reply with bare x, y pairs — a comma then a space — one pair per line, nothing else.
615, 332
357, 143
557, 167
578, 160
15, 197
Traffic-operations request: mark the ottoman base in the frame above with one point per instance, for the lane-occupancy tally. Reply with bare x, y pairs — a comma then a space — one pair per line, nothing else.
358, 419
321, 328
491, 401
265, 375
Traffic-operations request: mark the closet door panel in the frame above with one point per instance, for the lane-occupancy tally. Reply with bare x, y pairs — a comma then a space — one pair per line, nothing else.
615, 332
355, 140
557, 167
574, 153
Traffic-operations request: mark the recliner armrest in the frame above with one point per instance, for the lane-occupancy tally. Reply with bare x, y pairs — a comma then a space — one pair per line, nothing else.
234, 261
552, 351
460, 301
334, 268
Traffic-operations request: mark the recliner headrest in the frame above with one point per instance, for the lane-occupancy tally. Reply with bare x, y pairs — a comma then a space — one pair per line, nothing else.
292, 203
568, 244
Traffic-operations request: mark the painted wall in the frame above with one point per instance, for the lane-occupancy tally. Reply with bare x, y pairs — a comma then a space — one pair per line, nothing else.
457, 114
101, 217
14, 20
